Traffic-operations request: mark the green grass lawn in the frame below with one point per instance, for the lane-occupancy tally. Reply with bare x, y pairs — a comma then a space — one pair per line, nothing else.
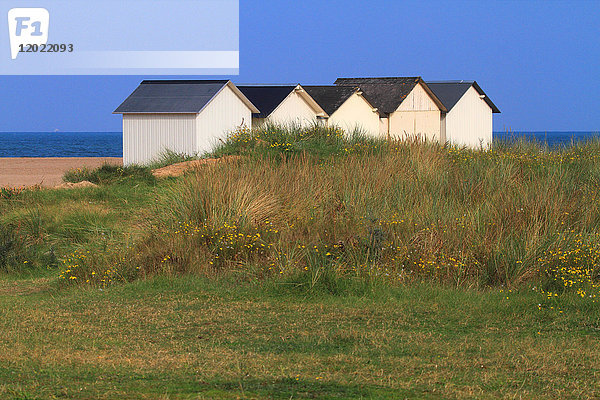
192, 338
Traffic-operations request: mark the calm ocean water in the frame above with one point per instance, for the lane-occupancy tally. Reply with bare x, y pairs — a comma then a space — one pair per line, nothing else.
554, 139
61, 144
109, 144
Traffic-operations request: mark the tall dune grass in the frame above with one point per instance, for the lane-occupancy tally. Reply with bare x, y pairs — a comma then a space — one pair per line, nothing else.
380, 211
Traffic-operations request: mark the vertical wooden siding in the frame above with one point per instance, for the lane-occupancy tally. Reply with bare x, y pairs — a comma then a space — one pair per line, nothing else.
224, 114
422, 124
384, 129
469, 123
443, 136
293, 110
146, 136
418, 115
418, 100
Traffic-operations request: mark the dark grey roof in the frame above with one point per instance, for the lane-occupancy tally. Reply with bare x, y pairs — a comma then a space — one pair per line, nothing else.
330, 98
266, 98
171, 96
450, 92
384, 93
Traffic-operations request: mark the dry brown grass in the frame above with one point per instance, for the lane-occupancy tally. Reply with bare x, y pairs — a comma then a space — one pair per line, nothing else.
480, 219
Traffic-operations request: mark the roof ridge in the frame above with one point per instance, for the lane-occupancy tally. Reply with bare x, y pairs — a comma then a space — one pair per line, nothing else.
452, 81
267, 86
330, 97
171, 96
329, 86
385, 93
183, 81
383, 77
450, 92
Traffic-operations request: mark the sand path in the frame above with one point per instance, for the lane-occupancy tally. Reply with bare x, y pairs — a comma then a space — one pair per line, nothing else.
48, 172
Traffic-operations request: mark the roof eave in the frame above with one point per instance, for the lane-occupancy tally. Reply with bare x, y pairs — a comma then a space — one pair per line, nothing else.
489, 102
360, 94
435, 99
312, 102
241, 95
280, 103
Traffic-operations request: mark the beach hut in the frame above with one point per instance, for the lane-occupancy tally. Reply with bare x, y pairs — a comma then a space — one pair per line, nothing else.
346, 108
184, 116
407, 106
282, 105
468, 119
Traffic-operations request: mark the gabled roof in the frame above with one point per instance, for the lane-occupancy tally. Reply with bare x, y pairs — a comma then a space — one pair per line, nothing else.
266, 98
388, 93
330, 98
176, 96
450, 92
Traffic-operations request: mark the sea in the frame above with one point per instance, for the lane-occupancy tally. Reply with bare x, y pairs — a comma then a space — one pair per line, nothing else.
110, 144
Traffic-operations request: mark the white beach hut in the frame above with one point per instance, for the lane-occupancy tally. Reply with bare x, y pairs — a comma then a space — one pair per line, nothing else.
346, 108
407, 106
282, 105
468, 121
184, 116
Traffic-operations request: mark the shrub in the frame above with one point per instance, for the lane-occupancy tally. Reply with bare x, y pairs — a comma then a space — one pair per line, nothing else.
102, 268
572, 266
10, 192
23, 247
12, 249
107, 174
316, 140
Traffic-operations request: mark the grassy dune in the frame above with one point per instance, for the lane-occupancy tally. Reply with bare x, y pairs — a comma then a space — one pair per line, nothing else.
318, 265
315, 207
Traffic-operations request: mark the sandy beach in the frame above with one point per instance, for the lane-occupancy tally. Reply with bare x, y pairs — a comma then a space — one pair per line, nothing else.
47, 172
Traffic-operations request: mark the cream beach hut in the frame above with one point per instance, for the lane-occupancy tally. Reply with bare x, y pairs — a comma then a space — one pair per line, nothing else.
407, 107
346, 108
282, 105
468, 119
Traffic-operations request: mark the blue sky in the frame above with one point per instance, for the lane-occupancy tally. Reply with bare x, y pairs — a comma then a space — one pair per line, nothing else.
539, 61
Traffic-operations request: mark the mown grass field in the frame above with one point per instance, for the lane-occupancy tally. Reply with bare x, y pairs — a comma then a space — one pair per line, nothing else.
191, 338
317, 265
